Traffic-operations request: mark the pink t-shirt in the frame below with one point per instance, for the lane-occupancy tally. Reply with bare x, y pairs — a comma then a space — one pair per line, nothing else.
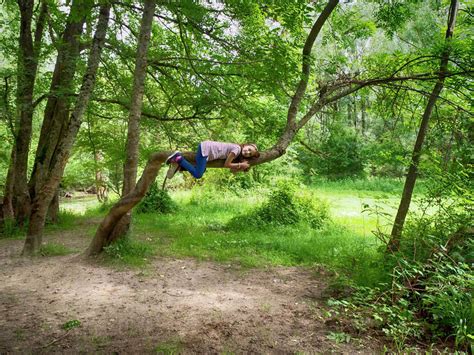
218, 150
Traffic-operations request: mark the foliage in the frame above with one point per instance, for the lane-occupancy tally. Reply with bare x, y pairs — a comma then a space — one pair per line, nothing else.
71, 324
78, 174
338, 156
430, 293
285, 207
429, 300
339, 337
156, 200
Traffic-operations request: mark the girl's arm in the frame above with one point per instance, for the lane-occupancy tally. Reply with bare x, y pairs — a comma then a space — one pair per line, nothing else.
235, 166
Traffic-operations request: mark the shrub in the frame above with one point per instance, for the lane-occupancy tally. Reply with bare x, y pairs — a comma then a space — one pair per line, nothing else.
285, 206
156, 200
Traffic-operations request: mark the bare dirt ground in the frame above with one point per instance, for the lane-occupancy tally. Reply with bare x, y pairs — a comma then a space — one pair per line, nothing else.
172, 306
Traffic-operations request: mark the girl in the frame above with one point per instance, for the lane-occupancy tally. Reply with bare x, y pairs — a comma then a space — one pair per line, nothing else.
233, 154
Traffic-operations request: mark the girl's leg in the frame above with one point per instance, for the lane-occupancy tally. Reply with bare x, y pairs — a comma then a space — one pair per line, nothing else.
198, 170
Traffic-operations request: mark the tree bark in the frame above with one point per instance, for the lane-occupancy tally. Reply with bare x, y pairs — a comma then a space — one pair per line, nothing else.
395, 237
7, 204
133, 134
105, 232
58, 105
46, 188
28, 54
53, 209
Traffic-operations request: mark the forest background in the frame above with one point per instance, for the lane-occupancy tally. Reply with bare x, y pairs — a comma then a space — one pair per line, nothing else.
350, 102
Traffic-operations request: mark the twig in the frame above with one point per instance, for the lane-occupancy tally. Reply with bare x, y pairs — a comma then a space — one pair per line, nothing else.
56, 340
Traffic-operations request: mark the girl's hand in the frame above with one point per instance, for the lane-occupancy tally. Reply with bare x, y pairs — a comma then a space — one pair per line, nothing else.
244, 166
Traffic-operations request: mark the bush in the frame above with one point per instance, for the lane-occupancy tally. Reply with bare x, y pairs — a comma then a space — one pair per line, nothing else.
156, 200
285, 207
430, 293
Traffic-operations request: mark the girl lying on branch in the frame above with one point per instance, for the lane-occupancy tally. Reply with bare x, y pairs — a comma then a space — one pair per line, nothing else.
235, 155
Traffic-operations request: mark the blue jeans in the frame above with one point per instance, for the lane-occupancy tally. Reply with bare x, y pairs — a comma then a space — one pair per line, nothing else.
200, 167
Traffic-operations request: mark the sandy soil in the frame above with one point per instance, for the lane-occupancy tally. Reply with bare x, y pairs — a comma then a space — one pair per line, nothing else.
172, 306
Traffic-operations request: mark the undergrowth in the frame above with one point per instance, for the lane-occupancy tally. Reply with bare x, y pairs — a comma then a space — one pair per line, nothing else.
284, 207
54, 249
429, 294
156, 200
126, 251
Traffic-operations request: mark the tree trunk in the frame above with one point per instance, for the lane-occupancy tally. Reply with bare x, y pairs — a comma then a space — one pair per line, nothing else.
7, 204
51, 175
395, 238
53, 209
100, 177
27, 69
363, 116
59, 101
133, 135
105, 232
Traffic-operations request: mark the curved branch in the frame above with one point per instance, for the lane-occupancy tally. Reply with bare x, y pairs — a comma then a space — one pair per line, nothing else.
104, 233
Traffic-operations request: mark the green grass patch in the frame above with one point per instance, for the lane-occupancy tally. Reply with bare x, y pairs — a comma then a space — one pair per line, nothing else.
10, 230
128, 252
200, 229
54, 249
379, 186
170, 347
79, 205
67, 220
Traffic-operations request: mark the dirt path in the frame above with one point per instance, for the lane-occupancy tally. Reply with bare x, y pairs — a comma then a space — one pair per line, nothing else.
173, 306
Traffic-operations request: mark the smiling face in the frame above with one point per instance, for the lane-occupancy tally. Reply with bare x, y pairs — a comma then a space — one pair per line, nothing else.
249, 151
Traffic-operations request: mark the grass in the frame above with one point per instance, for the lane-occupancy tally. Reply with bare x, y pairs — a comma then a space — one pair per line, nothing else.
377, 185
127, 251
199, 229
170, 347
10, 230
54, 249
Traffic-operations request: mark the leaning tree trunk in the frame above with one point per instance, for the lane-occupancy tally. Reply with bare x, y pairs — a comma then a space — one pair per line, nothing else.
105, 232
27, 68
395, 238
59, 102
53, 174
133, 135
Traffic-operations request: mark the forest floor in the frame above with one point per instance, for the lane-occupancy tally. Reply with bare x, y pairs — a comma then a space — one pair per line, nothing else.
170, 306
